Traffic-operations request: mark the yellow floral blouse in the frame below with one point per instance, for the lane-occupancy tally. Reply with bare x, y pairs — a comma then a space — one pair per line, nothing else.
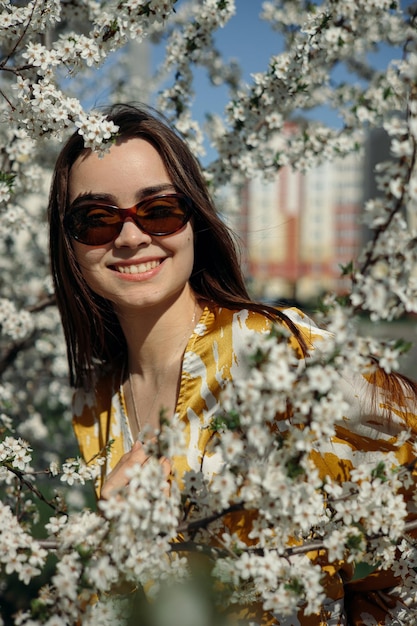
214, 354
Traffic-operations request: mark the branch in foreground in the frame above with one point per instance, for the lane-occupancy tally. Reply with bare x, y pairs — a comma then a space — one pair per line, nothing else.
20, 475
213, 551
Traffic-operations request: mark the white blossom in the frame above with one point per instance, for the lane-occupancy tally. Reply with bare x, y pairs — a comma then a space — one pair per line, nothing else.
264, 449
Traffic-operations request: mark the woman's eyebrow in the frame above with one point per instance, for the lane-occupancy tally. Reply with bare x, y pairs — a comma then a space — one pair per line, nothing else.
154, 189
111, 199
89, 195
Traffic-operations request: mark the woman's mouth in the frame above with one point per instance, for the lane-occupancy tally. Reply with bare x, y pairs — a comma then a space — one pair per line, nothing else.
137, 268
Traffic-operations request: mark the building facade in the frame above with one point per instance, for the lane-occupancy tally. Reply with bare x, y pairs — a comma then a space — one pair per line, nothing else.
298, 230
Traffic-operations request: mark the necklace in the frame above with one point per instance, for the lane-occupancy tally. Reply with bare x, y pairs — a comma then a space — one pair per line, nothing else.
160, 377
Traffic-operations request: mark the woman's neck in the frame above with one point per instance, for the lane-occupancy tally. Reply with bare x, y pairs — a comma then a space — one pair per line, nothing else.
157, 336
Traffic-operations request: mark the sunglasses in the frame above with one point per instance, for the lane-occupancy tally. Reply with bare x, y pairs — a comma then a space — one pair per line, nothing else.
94, 223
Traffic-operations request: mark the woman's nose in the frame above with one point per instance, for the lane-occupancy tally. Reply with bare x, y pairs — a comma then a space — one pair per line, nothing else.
131, 235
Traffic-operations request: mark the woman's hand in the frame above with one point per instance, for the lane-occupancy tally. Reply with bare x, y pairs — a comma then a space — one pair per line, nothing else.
117, 479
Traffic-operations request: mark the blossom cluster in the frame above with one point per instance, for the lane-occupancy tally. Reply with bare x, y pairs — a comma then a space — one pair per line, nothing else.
20, 553
16, 452
38, 99
283, 413
302, 78
386, 280
266, 435
112, 552
285, 487
16, 325
191, 42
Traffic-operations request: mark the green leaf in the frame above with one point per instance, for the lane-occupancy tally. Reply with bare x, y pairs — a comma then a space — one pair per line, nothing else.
347, 269
354, 542
294, 469
402, 345
362, 570
379, 472
8, 178
294, 585
226, 421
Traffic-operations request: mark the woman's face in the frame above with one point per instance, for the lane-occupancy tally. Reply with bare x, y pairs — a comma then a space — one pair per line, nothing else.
135, 269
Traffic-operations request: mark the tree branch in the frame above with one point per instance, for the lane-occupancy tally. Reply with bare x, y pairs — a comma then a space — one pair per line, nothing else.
21, 477
20, 39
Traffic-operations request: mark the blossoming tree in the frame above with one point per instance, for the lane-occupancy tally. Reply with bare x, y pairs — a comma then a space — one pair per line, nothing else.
47, 46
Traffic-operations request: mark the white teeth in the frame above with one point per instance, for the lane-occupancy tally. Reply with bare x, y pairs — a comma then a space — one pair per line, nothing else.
137, 269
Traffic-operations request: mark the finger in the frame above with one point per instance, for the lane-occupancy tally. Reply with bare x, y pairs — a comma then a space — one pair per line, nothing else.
166, 466
118, 478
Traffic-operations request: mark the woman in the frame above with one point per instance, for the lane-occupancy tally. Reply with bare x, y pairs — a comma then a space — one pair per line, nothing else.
154, 307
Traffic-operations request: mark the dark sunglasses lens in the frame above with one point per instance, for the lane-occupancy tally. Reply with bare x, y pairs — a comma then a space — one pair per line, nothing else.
163, 216
94, 225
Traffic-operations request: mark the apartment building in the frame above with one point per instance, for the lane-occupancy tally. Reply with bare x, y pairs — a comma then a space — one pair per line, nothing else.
298, 230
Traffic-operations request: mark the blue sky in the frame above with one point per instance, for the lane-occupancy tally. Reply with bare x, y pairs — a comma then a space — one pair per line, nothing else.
245, 38
252, 42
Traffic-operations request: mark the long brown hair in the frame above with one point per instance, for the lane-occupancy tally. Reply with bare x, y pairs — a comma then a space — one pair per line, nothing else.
92, 331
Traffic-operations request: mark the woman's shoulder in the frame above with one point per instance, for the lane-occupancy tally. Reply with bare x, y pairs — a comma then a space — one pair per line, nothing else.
237, 322
304, 324
257, 320
239, 326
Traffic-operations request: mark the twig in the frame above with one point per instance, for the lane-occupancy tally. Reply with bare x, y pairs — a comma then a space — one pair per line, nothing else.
3, 63
42, 304
7, 100
213, 551
205, 521
20, 475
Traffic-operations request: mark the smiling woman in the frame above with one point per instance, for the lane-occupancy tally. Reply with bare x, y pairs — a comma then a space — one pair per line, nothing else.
158, 321
138, 252
132, 267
